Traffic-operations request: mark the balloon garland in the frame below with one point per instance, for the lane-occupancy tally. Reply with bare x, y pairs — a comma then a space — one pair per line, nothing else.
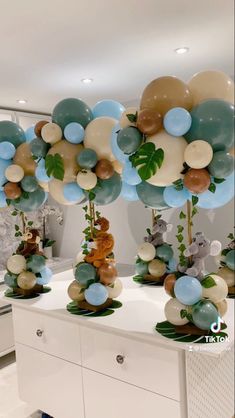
227, 265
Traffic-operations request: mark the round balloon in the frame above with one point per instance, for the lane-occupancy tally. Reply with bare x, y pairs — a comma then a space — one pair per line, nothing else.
85, 273
172, 166
29, 184
7, 150
56, 190
45, 276
117, 152
149, 121
10, 280
71, 110
164, 252
129, 139
38, 127
11, 132
222, 307
87, 158
30, 133
104, 169
41, 173
213, 121
107, 273
198, 154
3, 166
218, 292
76, 291
151, 196
146, 251
16, 264
129, 192
12, 190
129, 112
173, 310
96, 294
39, 148
188, 290
108, 190
72, 192
36, 263
164, 93
14, 173
222, 164
3, 201
176, 198
98, 137
204, 314
130, 174
115, 289
32, 202
141, 267
23, 157
157, 268
177, 121
223, 194
51, 133
74, 133
109, 108
118, 167
169, 284
26, 280
86, 179
69, 153
197, 181
228, 275
230, 259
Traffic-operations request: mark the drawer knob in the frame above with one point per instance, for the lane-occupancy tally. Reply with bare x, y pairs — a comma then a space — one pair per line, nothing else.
39, 332
120, 359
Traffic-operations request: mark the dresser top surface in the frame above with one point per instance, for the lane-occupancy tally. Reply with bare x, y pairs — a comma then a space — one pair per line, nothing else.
143, 307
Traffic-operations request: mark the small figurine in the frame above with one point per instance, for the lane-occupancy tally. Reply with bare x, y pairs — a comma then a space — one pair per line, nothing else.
104, 244
159, 228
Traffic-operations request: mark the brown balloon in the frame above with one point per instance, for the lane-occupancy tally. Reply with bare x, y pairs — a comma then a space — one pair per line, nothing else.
104, 169
38, 127
12, 190
23, 158
68, 153
149, 121
169, 284
164, 93
197, 181
107, 273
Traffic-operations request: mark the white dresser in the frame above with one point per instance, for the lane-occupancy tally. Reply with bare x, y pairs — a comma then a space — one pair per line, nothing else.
117, 366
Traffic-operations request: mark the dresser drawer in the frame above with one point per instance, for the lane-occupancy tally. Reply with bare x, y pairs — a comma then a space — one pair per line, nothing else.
147, 366
49, 383
107, 397
45, 333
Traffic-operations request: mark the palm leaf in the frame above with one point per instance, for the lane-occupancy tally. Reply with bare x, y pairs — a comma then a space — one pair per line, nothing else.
147, 160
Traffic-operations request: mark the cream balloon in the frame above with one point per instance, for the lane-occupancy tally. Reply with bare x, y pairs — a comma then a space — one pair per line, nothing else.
115, 290
75, 291
16, 264
157, 268
172, 312
118, 167
228, 275
14, 173
222, 307
198, 154
174, 148
26, 280
51, 133
98, 137
146, 251
86, 179
218, 292
211, 85
56, 190
44, 186
23, 157
124, 122
79, 258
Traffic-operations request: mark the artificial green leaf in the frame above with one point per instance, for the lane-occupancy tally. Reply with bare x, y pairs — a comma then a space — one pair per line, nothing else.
180, 228
30, 223
185, 169
180, 237
231, 236
132, 117
148, 231
49, 243
182, 215
147, 160
208, 282
194, 211
183, 313
212, 188
8, 202
182, 248
178, 184
91, 195
55, 166
218, 181
195, 200
14, 213
17, 227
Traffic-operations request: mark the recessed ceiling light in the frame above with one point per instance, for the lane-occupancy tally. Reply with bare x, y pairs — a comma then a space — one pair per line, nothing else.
182, 50
87, 80
21, 101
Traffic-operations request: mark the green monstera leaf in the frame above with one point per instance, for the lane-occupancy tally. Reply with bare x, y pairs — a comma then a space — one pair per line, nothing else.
147, 159
55, 166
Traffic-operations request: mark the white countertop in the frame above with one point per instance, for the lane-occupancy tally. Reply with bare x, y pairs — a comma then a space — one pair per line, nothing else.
142, 308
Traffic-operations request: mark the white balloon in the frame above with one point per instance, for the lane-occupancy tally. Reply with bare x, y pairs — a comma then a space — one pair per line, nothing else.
124, 121
98, 137
14, 173
116, 290
79, 258
198, 154
86, 179
172, 312
174, 148
222, 307
146, 251
51, 133
26, 280
218, 292
16, 264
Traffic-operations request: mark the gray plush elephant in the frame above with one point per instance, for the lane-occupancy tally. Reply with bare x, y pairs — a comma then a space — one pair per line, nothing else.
159, 228
199, 250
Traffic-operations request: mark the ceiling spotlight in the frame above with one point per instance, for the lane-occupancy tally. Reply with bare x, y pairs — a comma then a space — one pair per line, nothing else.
21, 101
87, 80
182, 50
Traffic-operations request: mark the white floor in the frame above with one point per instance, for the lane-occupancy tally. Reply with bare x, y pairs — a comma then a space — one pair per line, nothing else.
10, 404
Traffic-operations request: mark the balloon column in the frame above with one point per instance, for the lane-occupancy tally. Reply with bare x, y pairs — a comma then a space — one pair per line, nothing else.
155, 257
227, 265
27, 273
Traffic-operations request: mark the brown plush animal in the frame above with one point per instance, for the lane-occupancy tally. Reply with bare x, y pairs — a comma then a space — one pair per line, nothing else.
30, 243
104, 244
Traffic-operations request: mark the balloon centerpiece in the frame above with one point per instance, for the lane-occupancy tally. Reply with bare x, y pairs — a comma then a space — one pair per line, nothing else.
227, 265
27, 274
155, 256
96, 283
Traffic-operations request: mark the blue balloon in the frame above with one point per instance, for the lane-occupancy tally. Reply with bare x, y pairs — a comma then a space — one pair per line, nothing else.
74, 133
96, 294
40, 172
117, 152
151, 196
30, 134
130, 174
7, 150
177, 121
10, 280
129, 192
223, 194
176, 198
46, 275
109, 108
188, 290
72, 192
172, 266
3, 166
3, 202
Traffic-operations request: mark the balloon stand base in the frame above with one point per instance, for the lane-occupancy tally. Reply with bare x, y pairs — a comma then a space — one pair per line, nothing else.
28, 292
74, 309
18, 293
88, 307
149, 277
148, 280
190, 329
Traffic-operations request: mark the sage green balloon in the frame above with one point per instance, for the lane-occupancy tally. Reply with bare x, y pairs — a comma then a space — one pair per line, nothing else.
212, 121
29, 184
32, 202
10, 280
107, 191
141, 267
71, 110
39, 148
230, 260
222, 165
164, 252
151, 196
204, 314
36, 263
129, 139
87, 158
11, 132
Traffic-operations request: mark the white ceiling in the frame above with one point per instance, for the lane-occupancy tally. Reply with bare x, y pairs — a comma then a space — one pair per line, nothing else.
47, 46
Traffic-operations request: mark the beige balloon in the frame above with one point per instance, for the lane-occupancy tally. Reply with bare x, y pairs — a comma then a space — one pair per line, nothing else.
172, 312
198, 154
222, 307
86, 179
124, 121
75, 291
16, 264
79, 258
14, 173
146, 251
23, 158
68, 153
98, 137
44, 185
228, 275
211, 85
51, 133
157, 268
174, 148
118, 167
115, 289
56, 190
218, 292
26, 280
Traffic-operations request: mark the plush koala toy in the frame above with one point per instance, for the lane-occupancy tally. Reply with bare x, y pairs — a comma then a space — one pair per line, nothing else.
199, 250
159, 228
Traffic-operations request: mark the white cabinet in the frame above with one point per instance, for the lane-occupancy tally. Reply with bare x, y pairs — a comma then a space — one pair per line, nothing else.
6, 329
